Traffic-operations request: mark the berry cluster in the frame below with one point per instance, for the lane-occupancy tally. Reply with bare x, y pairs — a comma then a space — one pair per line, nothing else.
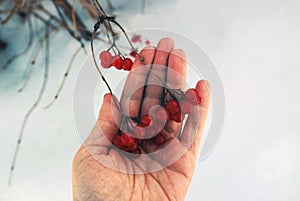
177, 109
127, 143
150, 127
108, 60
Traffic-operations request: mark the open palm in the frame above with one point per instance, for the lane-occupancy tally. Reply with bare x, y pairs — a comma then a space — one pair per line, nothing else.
101, 172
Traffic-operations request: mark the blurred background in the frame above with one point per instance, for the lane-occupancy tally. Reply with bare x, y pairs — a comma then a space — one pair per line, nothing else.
255, 46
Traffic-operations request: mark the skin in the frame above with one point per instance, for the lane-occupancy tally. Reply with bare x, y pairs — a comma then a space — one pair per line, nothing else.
93, 181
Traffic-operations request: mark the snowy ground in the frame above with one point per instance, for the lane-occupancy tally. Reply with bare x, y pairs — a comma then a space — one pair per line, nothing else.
255, 46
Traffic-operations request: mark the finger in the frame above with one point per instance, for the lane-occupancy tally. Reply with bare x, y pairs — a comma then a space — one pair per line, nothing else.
154, 89
176, 78
106, 128
193, 129
134, 87
109, 116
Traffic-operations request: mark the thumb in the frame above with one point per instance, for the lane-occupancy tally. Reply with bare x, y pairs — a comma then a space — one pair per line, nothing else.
106, 127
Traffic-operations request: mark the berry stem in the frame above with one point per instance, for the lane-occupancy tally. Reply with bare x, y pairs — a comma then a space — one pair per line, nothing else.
123, 116
102, 17
99, 71
127, 38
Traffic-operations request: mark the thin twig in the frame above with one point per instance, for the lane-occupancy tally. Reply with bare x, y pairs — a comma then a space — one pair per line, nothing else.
30, 40
50, 15
33, 107
71, 32
74, 18
11, 13
107, 25
89, 8
39, 17
33, 61
67, 9
100, 73
64, 78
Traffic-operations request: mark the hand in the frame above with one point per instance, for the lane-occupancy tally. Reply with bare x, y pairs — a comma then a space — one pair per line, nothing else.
93, 181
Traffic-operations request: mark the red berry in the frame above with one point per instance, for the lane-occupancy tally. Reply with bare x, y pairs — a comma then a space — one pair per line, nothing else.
146, 121
173, 107
117, 62
192, 96
162, 115
137, 151
124, 148
138, 141
106, 59
117, 141
186, 107
176, 117
133, 146
159, 139
105, 56
105, 65
147, 42
136, 39
126, 139
127, 64
133, 53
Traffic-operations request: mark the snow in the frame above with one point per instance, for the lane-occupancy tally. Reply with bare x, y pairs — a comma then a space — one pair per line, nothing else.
255, 46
